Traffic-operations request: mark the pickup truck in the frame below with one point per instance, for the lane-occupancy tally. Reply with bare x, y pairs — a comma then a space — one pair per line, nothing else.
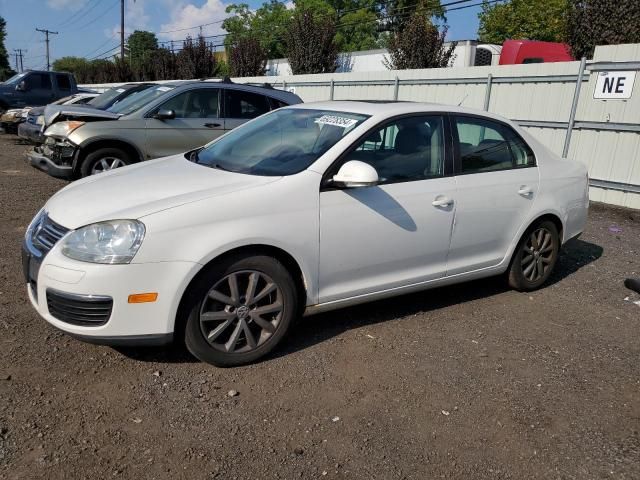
35, 88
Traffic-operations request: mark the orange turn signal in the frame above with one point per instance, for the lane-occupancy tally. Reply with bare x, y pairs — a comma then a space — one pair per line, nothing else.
143, 297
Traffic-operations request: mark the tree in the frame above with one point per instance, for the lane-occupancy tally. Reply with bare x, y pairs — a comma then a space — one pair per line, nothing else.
268, 24
5, 69
247, 58
400, 12
141, 44
196, 60
358, 25
601, 22
75, 65
419, 45
309, 43
543, 20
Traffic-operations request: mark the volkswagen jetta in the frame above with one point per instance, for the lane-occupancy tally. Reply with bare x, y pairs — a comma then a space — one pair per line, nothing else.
305, 209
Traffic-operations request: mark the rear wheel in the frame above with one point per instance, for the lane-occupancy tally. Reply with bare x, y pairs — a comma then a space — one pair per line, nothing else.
104, 160
239, 310
535, 257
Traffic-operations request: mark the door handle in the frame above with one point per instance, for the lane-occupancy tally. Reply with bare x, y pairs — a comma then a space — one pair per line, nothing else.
212, 125
525, 191
442, 201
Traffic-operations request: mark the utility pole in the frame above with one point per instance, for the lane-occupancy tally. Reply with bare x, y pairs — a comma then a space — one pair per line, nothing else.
46, 34
122, 29
19, 54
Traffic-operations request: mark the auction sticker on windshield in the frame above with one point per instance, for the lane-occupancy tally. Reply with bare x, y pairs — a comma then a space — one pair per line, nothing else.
336, 121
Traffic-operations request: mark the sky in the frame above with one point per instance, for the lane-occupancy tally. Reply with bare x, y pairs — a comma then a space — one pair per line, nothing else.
90, 28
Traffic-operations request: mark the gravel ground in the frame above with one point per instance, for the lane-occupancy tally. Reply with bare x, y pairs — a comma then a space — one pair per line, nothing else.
471, 381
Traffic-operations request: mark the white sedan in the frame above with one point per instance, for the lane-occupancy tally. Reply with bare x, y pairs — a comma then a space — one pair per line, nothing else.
306, 209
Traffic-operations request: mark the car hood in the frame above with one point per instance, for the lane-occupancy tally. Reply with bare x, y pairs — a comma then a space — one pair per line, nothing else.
54, 113
142, 189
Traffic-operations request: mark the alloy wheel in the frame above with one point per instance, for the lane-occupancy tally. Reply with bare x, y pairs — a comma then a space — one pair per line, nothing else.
537, 254
105, 164
241, 312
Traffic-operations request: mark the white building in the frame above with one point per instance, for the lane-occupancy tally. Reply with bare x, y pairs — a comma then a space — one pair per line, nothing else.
468, 53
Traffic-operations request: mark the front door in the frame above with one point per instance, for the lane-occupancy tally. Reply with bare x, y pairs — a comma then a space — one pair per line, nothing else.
196, 123
396, 233
497, 182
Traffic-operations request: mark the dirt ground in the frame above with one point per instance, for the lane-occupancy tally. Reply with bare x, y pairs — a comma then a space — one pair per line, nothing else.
473, 381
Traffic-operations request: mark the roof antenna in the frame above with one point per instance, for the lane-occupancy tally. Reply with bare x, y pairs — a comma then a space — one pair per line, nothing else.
463, 99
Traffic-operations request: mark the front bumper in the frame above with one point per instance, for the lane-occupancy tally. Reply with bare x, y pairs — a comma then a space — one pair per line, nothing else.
127, 323
31, 132
41, 162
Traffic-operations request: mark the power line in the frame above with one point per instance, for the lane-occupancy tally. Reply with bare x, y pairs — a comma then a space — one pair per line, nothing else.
86, 9
198, 26
107, 52
100, 46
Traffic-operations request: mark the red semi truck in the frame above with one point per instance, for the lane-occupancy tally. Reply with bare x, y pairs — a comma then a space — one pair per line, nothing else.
531, 51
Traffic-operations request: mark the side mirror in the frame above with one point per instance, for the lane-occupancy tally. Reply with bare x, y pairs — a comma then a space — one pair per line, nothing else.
356, 174
22, 86
165, 115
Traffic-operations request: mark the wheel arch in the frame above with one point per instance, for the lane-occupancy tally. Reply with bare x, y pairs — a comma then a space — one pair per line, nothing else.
288, 260
98, 143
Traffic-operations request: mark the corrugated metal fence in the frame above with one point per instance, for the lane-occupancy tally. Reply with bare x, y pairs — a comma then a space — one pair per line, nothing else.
554, 101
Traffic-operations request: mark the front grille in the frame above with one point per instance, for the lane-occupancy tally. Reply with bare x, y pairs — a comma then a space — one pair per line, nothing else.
83, 310
46, 234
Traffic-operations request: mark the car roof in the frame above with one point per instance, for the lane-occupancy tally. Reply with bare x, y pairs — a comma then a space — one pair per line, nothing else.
287, 97
393, 108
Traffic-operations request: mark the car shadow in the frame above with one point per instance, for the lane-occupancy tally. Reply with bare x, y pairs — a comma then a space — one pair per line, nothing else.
315, 329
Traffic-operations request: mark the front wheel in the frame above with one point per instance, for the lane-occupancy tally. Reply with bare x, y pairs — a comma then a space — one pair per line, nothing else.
239, 310
535, 257
104, 160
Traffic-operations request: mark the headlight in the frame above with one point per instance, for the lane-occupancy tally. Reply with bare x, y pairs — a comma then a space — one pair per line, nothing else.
62, 129
115, 241
40, 120
36, 220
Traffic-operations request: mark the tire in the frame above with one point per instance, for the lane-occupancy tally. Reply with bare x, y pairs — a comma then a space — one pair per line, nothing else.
223, 328
104, 159
535, 257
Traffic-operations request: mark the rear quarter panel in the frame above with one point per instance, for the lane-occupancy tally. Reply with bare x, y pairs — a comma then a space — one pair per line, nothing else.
564, 190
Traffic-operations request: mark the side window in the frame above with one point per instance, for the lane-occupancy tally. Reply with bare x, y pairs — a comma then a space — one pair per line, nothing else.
275, 104
201, 103
487, 146
241, 104
63, 82
38, 81
408, 149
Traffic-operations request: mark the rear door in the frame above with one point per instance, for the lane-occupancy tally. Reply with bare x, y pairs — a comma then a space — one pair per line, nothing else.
241, 106
497, 183
197, 122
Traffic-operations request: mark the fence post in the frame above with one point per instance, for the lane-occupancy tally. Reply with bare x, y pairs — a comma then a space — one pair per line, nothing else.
487, 92
331, 90
574, 108
284, 85
396, 88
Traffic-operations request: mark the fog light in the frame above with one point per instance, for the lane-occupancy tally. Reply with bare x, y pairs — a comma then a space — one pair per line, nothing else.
143, 297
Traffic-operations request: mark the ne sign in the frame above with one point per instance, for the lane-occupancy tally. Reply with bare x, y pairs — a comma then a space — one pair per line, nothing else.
614, 85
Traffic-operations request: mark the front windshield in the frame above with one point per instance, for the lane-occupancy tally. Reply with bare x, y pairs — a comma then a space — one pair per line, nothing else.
138, 100
283, 142
15, 78
105, 98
